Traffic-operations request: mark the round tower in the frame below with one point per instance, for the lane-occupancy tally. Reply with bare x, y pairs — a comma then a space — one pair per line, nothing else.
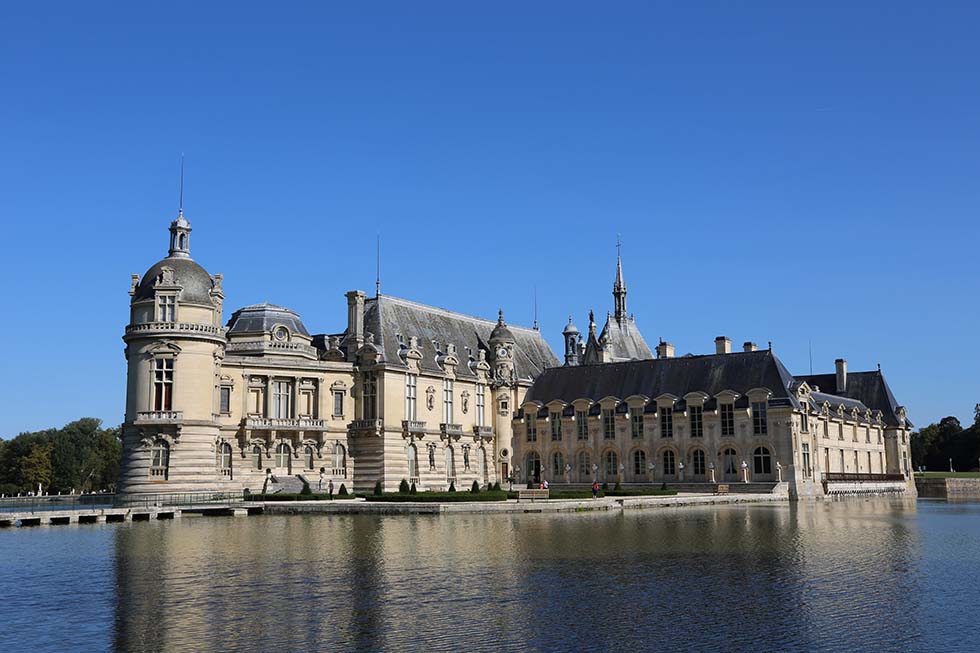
174, 345
572, 342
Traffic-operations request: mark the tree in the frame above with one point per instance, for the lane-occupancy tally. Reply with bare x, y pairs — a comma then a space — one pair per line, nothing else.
36, 469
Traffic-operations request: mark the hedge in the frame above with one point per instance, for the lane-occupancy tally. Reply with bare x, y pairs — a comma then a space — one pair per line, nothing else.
439, 497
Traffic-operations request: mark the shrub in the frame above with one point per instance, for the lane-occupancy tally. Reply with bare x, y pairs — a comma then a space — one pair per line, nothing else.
663, 486
306, 491
403, 487
617, 487
530, 485
605, 486
412, 489
496, 487
476, 488
378, 489
452, 486
343, 491
441, 497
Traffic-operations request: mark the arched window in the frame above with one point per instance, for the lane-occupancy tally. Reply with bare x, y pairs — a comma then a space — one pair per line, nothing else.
339, 460
308, 457
584, 466
612, 464
558, 464
224, 459
282, 456
669, 463
160, 460
639, 462
761, 461
450, 464
532, 466
729, 462
413, 463
257, 457
698, 457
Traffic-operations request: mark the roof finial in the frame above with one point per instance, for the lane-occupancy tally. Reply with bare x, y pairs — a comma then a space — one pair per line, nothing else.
377, 276
500, 317
180, 200
535, 308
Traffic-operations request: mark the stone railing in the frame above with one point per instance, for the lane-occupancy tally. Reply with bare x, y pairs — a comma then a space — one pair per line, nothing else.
285, 423
187, 327
162, 416
375, 426
413, 427
273, 347
454, 430
485, 432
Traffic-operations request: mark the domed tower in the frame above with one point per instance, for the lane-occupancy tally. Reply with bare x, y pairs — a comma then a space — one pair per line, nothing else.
174, 346
504, 387
572, 342
502, 343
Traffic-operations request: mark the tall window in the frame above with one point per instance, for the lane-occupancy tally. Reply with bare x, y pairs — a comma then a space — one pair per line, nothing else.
166, 308
760, 422
698, 462
447, 401
308, 457
257, 457
160, 459
223, 461
584, 465
639, 462
531, 422
163, 383
608, 424
806, 459
670, 466
411, 396
867, 437
581, 424
727, 419
558, 464
369, 401
282, 456
481, 404
804, 421
869, 462
282, 394
762, 461
636, 424
339, 460
612, 464
826, 430
338, 403
555, 427
697, 421
840, 431
411, 452
666, 422
729, 461
224, 400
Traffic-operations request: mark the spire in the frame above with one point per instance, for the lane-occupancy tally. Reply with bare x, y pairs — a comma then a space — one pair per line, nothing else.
536, 308
591, 323
619, 285
180, 228
377, 277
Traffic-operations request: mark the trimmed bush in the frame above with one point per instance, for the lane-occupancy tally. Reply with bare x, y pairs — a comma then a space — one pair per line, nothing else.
641, 493
605, 486
496, 487
440, 497
530, 485
452, 486
378, 490
412, 489
343, 491
617, 487
476, 488
403, 487
306, 491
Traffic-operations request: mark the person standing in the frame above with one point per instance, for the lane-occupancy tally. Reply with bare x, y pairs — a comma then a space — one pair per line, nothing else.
595, 489
330, 489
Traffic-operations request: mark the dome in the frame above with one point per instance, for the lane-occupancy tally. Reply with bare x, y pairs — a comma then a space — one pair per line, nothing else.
196, 281
500, 332
570, 328
262, 318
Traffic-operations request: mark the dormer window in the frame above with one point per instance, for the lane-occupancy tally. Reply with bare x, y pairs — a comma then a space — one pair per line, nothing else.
166, 308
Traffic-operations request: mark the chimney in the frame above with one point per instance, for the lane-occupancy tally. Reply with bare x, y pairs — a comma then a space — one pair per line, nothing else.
355, 321
665, 350
748, 345
841, 365
723, 345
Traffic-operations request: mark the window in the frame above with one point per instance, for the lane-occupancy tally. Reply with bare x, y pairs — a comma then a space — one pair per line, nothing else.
338, 403
639, 462
413, 462
728, 420
532, 467
481, 404
223, 459
826, 430
558, 464
840, 431
339, 460
666, 422
760, 421
762, 461
905, 462
163, 383
881, 462
308, 457
729, 461
584, 465
555, 427
670, 467
698, 462
869, 462
582, 424
697, 421
160, 459
369, 400
636, 424
867, 437
804, 421
531, 421
257, 457
612, 464
411, 396
806, 459
282, 394
166, 308
857, 463
447, 401
282, 456
608, 424
224, 400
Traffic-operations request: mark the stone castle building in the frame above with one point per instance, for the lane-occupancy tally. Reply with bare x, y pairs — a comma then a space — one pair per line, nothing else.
437, 398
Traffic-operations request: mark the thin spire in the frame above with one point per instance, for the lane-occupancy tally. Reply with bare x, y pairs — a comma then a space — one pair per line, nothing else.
619, 285
377, 276
180, 200
535, 308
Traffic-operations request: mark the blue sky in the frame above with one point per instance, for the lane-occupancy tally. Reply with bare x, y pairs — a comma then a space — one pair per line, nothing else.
784, 173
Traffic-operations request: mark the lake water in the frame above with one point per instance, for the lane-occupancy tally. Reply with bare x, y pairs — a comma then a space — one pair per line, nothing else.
873, 575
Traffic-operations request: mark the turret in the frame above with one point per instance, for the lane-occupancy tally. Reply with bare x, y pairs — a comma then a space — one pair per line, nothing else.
572, 343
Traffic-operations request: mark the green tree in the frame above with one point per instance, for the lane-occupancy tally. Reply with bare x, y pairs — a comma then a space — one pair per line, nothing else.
36, 469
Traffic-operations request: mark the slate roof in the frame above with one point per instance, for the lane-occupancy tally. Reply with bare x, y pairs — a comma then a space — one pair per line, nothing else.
710, 374
390, 317
622, 341
196, 281
261, 318
869, 388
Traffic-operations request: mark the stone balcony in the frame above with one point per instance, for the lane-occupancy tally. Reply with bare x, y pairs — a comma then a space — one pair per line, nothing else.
366, 426
413, 428
151, 328
159, 417
483, 432
454, 431
285, 424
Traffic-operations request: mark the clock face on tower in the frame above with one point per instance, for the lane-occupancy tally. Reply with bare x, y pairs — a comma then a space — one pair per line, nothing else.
502, 352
